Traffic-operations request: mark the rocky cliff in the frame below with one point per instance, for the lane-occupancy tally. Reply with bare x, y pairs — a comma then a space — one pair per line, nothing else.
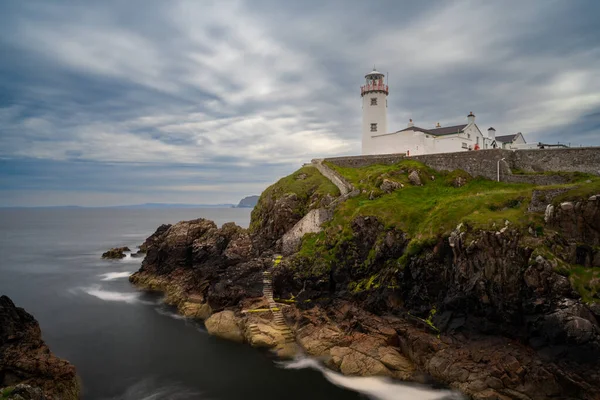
28, 370
424, 275
248, 202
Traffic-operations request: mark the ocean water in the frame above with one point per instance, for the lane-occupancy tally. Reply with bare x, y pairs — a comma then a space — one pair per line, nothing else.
128, 345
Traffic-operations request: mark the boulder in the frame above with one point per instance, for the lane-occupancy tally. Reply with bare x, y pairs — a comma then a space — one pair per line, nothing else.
116, 253
388, 186
414, 178
224, 324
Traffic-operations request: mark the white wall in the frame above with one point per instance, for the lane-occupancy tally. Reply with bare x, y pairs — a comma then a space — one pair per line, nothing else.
418, 143
373, 115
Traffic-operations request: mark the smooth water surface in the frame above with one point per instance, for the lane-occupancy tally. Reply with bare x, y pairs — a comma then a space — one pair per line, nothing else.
125, 343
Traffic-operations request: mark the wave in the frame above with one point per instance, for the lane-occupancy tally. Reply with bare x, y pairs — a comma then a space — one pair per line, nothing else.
129, 259
149, 389
107, 295
379, 388
110, 276
170, 314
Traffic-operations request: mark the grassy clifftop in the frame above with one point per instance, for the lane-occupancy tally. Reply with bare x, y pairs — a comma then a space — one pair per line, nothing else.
284, 203
429, 208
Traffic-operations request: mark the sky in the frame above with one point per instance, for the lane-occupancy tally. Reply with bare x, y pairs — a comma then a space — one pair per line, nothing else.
125, 102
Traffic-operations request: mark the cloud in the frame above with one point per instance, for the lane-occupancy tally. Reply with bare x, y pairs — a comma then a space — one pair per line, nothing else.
240, 89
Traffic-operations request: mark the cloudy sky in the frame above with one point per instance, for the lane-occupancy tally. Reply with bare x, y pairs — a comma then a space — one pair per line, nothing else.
123, 102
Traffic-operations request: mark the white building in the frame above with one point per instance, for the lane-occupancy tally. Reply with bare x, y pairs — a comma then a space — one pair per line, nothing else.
414, 140
511, 141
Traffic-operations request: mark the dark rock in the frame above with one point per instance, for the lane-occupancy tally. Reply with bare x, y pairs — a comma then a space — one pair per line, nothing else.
152, 238
24, 357
115, 253
580, 224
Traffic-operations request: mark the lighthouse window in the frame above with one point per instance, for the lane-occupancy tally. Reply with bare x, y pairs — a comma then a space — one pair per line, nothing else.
373, 127
373, 101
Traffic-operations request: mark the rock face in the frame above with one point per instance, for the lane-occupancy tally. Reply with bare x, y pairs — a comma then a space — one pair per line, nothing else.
115, 253
27, 367
578, 221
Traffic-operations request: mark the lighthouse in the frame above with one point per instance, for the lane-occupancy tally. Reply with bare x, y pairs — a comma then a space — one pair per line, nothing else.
374, 109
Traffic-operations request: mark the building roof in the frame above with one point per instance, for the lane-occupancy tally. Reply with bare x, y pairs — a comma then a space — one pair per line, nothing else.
374, 72
506, 138
447, 130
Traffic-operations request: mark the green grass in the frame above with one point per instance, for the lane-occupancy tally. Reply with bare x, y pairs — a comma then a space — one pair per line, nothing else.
586, 281
436, 207
581, 190
4, 393
305, 183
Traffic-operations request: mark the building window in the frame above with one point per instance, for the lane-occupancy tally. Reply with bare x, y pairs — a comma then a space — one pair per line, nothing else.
373, 101
373, 127
464, 146
469, 135
477, 139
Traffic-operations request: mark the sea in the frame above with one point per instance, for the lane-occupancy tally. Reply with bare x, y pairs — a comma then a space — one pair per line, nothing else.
127, 344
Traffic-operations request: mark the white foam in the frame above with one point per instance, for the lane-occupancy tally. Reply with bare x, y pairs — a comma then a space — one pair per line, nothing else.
167, 313
150, 389
129, 259
111, 276
107, 295
97, 291
375, 387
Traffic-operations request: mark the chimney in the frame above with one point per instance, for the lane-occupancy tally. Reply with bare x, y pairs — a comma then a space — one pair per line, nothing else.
471, 118
491, 133
438, 125
410, 123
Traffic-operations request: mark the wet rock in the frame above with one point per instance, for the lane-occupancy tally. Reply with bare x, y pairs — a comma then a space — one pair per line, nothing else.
195, 310
352, 362
115, 253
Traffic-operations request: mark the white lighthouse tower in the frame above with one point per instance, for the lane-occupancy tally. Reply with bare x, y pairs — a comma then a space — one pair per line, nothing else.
374, 104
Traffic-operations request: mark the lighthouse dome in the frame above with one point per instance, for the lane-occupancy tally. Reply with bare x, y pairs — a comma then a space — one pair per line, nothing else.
373, 74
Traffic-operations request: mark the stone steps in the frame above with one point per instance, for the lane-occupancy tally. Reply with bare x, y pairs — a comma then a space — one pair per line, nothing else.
278, 318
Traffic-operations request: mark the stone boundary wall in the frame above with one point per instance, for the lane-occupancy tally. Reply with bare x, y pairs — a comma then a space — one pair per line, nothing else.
484, 162
310, 223
342, 184
363, 161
